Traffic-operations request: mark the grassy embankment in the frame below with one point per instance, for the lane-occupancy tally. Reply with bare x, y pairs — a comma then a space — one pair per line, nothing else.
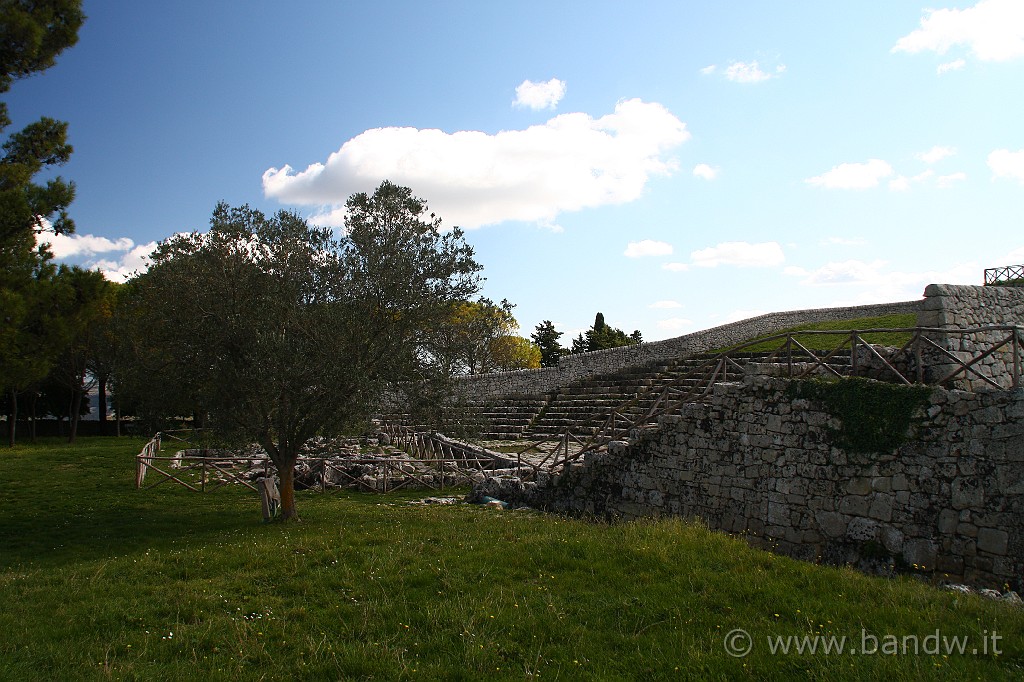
99, 580
830, 341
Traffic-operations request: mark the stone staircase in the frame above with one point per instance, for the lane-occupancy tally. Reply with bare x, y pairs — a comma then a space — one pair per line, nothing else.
509, 418
583, 407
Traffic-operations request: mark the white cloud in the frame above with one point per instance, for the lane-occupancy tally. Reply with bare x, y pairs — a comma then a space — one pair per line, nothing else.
472, 178
665, 305
647, 247
936, 153
955, 65
76, 245
842, 241
674, 324
538, 96
134, 261
675, 267
947, 181
992, 29
845, 272
874, 283
80, 249
1007, 164
902, 183
853, 175
703, 170
741, 254
751, 72
709, 69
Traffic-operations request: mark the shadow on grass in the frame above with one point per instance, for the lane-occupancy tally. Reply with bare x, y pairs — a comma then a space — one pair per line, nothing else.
63, 503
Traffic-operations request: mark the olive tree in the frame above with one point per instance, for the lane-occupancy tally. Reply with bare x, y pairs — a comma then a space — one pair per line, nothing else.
280, 331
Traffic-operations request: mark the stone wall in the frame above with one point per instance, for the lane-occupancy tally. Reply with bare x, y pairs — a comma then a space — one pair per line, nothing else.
959, 306
573, 368
757, 461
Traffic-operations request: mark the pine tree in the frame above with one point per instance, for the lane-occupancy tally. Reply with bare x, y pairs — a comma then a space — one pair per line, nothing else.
546, 338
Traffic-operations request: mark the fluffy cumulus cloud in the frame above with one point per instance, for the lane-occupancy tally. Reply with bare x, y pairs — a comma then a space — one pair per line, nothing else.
1007, 164
572, 162
936, 153
647, 247
83, 245
745, 72
741, 254
134, 261
993, 30
946, 181
845, 272
843, 242
853, 175
874, 282
537, 96
955, 65
703, 170
121, 257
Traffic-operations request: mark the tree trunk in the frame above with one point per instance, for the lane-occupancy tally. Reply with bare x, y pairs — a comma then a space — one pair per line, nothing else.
101, 387
12, 418
32, 413
76, 407
286, 470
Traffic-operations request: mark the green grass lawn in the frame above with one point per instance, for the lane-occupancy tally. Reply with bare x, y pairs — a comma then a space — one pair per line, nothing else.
830, 341
99, 580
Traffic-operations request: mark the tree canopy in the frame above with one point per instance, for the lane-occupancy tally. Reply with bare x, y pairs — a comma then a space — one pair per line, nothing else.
545, 336
279, 331
480, 336
601, 336
514, 352
32, 34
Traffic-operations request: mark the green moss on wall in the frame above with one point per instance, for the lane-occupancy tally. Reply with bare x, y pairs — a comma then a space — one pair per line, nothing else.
874, 416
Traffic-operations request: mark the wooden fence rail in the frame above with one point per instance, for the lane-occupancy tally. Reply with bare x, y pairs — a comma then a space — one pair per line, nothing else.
205, 474
447, 459
1007, 273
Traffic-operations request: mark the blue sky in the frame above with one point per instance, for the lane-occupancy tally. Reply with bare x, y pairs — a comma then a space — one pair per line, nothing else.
674, 165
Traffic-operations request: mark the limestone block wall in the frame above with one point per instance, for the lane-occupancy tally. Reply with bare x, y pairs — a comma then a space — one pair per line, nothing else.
584, 365
756, 461
960, 306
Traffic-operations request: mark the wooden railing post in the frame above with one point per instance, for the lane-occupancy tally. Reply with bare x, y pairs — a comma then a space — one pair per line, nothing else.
919, 357
853, 352
789, 355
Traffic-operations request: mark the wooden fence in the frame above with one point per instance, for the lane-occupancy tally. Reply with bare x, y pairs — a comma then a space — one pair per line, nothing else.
1007, 273
435, 462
